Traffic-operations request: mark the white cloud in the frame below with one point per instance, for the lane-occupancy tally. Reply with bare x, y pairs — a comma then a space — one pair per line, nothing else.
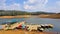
40, 5
58, 3
2, 4
2, 1
31, 5
13, 6
55, 8
35, 4
31, 1
58, 6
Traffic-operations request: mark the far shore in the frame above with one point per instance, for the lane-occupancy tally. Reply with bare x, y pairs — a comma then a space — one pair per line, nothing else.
55, 16
18, 16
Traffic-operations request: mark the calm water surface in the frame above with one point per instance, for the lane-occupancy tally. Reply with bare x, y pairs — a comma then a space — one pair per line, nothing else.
35, 20
55, 22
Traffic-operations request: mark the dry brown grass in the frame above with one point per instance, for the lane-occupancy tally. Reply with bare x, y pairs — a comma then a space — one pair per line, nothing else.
50, 16
18, 16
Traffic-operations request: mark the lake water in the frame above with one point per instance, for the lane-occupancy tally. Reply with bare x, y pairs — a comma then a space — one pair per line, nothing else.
35, 20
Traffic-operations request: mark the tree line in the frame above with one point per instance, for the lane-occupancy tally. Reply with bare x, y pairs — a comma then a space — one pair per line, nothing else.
14, 13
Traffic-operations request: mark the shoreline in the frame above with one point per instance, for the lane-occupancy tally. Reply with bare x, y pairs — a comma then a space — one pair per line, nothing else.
39, 16
53, 16
26, 32
18, 16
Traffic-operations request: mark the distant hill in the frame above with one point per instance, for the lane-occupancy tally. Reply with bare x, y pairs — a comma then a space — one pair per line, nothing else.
14, 13
41, 12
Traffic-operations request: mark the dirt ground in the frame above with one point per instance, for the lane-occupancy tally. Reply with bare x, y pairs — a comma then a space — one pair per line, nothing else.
57, 16
25, 32
18, 16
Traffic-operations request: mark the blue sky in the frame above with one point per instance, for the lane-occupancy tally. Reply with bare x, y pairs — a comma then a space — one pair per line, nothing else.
31, 5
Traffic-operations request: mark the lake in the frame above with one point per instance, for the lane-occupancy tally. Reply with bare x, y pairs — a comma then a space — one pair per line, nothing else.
34, 20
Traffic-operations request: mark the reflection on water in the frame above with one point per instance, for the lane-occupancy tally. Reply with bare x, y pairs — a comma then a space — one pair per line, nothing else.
55, 22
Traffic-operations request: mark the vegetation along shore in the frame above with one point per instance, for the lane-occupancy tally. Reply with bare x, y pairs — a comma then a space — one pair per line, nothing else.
25, 14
